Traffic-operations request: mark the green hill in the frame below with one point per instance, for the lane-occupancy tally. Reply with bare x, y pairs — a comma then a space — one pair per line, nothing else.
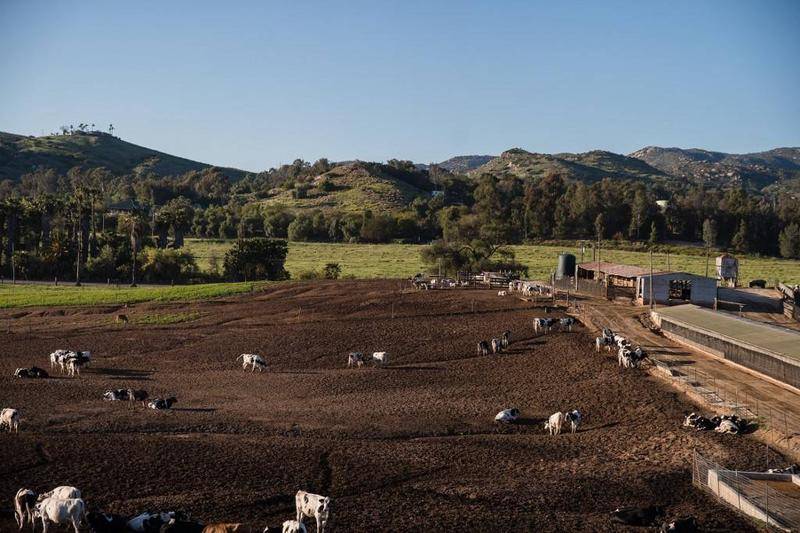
353, 187
589, 167
20, 155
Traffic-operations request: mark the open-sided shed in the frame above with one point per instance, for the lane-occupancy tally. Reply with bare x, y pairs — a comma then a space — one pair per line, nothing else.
676, 287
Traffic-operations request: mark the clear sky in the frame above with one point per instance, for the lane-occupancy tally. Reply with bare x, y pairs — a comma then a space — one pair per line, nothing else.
253, 84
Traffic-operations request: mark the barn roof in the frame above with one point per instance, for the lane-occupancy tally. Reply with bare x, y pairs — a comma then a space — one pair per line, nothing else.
615, 269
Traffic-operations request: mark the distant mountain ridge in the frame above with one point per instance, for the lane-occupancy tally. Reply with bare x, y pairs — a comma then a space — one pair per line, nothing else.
779, 166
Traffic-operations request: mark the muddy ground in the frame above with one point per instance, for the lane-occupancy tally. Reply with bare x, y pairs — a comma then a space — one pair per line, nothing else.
409, 447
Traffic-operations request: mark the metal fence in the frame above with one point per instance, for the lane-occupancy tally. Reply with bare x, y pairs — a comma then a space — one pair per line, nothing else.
747, 494
777, 425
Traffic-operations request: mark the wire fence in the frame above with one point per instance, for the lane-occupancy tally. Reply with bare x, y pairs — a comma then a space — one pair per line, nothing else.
777, 425
750, 493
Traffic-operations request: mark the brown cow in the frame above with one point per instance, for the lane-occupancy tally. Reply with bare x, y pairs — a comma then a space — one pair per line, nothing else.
223, 528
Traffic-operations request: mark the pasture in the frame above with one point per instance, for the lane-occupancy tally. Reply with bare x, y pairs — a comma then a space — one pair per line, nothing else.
409, 447
403, 260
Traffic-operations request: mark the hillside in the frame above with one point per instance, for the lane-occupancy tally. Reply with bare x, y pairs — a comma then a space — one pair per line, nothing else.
20, 154
353, 187
774, 168
590, 166
462, 164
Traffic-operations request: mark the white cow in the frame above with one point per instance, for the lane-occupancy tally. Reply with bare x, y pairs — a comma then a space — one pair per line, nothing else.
293, 526
497, 345
502, 293
554, 423
10, 417
24, 504
380, 358
64, 492
313, 506
574, 418
355, 358
62, 512
58, 358
507, 416
252, 360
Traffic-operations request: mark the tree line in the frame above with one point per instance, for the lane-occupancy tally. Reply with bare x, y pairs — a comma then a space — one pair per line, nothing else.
91, 224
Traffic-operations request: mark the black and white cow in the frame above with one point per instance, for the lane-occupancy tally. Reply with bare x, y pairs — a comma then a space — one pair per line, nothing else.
637, 516
253, 360
10, 418
541, 325
698, 422
483, 348
150, 522
313, 506
497, 345
116, 395
574, 418
680, 525
507, 416
505, 339
161, 404
355, 359
24, 504
75, 361
566, 323
32, 372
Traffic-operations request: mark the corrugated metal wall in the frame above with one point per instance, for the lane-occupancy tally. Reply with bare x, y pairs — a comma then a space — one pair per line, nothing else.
754, 360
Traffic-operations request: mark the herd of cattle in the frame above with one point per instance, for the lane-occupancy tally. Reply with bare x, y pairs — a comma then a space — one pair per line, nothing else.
65, 506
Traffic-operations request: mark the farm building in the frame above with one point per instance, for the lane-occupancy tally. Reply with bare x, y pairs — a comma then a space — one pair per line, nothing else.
767, 349
676, 287
612, 273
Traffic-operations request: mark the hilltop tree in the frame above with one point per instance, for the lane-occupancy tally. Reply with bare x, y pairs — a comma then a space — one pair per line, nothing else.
741, 239
709, 233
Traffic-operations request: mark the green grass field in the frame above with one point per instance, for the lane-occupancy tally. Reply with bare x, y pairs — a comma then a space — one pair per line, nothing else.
364, 261
47, 295
403, 260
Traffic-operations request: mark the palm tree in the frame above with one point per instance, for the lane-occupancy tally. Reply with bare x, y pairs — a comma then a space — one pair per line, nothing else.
133, 223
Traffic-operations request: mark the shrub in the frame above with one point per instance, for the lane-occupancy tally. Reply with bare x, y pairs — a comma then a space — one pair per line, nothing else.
259, 258
166, 265
308, 274
332, 271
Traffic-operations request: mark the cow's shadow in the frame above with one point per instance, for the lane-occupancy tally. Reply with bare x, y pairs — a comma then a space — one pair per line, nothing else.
123, 373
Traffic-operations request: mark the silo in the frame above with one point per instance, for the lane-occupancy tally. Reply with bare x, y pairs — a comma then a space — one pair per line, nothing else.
566, 266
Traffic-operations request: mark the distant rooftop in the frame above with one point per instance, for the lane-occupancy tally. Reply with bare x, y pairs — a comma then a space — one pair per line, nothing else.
615, 269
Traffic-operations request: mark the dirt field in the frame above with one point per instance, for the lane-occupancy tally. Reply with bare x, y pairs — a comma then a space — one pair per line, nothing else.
405, 448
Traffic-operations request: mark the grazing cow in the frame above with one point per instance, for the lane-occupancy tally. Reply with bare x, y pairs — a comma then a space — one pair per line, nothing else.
637, 516
58, 359
223, 528
181, 526
497, 345
680, 525
313, 506
148, 522
505, 339
115, 395
24, 503
566, 323
137, 395
60, 511
253, 360
355, 358
293, 526
380, 358
483, 348
10, 417
32, 372
554, 423
603, 341
63, 492
507, 416
106, 522
574, 418
160, 404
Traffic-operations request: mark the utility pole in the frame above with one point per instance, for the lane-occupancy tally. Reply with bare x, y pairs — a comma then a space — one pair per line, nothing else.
652, 298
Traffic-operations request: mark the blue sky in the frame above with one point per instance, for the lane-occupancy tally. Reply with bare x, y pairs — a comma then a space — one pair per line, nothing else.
253, 84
